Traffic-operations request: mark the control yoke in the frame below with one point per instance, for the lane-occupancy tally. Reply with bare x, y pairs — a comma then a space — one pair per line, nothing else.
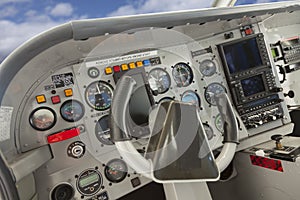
122, 137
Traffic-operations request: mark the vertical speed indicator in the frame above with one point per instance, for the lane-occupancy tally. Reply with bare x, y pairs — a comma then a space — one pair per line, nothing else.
99, 95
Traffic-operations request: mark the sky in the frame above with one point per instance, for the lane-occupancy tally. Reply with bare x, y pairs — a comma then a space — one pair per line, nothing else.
22, 19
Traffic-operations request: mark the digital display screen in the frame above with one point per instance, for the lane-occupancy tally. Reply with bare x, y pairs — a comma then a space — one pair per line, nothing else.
62, 80
242, 56
92, 178
253, 85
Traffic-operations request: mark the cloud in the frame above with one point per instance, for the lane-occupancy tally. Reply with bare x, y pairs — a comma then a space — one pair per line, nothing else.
8, 11
150, 6
62, 10
2, 2
13, 34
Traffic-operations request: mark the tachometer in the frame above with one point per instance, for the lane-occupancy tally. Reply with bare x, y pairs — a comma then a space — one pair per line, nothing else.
102, 130
182, 74
207, 67
159, 80
211, 90
191, 97
116, 170
42, 118
72, 110
99, 95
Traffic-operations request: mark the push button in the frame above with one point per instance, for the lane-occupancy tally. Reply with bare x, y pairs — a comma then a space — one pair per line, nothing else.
55, 99
40, 99
68, 92
108, 70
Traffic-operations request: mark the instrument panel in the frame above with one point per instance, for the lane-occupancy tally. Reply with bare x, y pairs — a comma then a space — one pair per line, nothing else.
69, 107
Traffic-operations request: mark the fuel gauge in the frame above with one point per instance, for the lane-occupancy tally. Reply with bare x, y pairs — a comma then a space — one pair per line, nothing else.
116, 170
72, 110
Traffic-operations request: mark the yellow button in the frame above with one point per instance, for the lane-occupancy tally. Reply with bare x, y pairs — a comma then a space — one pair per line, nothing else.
139, 64
131, 65
68, 92
108, 70
41, 98
124, 67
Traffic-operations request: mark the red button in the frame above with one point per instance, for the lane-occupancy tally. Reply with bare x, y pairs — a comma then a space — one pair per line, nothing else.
117, 68
55, 99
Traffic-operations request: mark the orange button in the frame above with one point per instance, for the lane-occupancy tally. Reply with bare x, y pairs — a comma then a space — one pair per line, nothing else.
131, 65
40, 99
68, 92
124, 67
108, 70
139, 64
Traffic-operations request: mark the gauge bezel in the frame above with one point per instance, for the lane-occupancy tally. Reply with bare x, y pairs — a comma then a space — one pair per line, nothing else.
68, 101
124, 174
40, 108
79, 188
212, 72
186, 65
205, 92
219, 117
167, 74
193, 92
93, 68
86, 97
206, 125
102, 142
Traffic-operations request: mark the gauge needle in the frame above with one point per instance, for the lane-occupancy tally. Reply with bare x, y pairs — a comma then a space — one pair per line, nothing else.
99, 91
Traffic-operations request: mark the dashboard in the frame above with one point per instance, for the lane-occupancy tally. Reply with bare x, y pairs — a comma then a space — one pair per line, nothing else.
64, 102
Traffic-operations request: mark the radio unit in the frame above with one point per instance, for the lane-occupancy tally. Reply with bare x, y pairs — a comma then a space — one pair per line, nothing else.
251, 80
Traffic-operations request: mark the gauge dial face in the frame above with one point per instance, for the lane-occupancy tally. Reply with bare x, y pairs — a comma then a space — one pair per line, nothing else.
102, 130
182, 74
89, 182
116, 170
219, 123
99, 95
212, 90
191, 97
159, 80
209, 131
72, 110
42, 118
208, 67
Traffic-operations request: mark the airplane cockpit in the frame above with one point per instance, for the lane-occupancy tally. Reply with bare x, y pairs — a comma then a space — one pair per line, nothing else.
196, 104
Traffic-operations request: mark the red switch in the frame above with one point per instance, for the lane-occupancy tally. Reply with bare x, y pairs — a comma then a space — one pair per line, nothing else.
55, 99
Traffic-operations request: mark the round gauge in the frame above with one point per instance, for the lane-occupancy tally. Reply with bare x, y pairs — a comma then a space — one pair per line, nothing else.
165, 99
182, 74
89, 182
209, 132
116, 170
99, 95
93, 72
191, 97
211, 90
42, 118
219, 123
72, 110
159, 80
208, 67
102, 130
